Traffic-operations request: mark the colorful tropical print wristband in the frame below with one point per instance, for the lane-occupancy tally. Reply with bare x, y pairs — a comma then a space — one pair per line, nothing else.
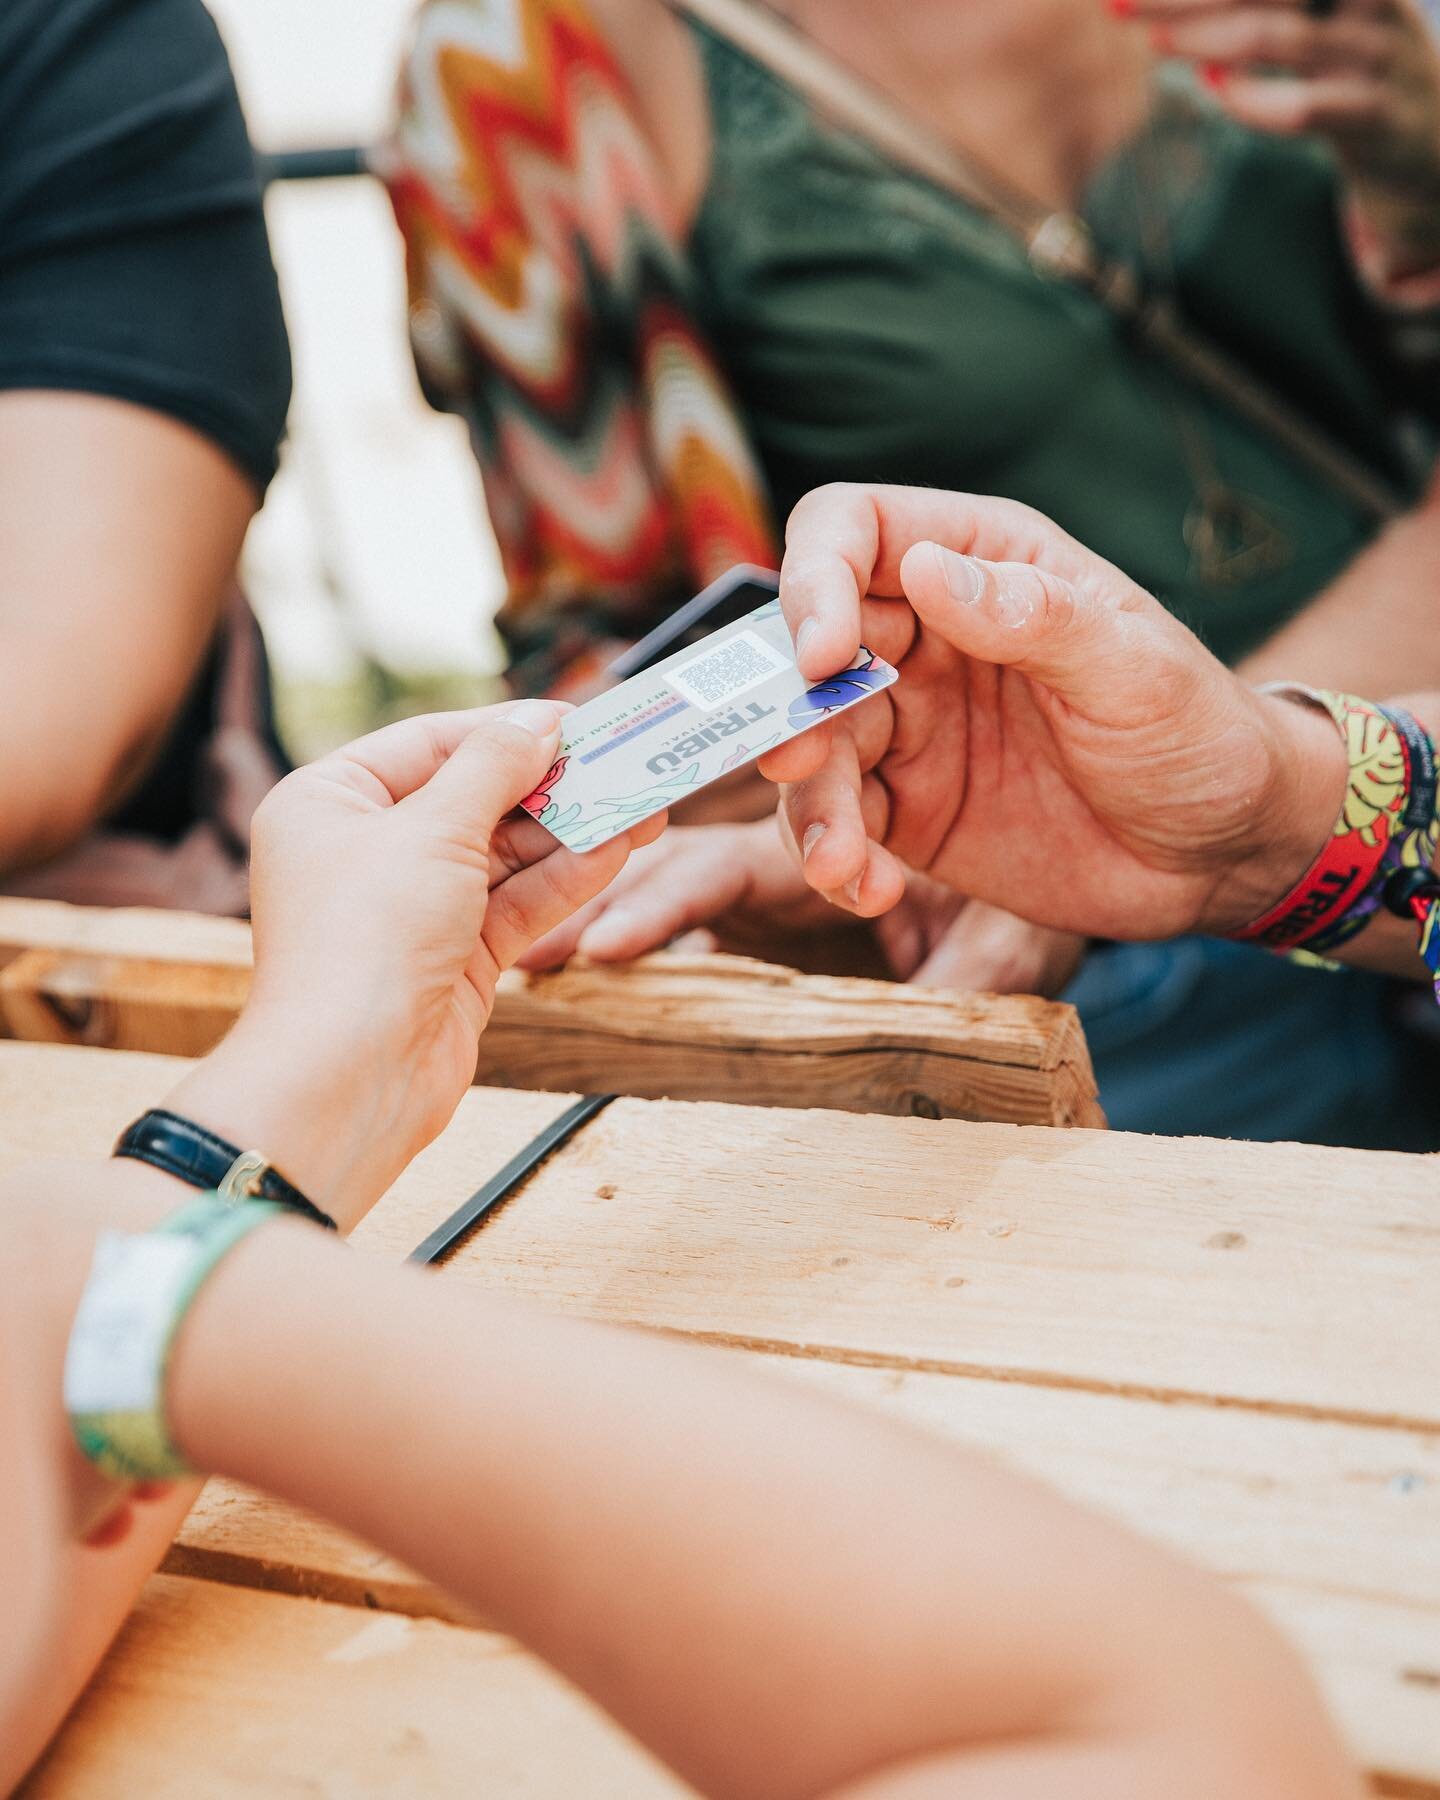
1413, 894
140, 1287
1383, 846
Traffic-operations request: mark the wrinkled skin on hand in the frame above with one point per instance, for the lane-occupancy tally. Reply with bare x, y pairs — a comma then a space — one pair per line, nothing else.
1057, 744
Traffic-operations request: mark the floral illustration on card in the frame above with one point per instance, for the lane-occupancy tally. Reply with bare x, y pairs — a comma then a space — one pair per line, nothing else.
540, 805
866, 675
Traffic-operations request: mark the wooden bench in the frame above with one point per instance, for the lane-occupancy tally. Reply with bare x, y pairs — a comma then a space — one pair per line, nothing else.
1231, 1346
691, 1028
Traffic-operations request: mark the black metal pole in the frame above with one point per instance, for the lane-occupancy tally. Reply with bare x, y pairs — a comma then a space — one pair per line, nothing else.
326, 163
449, 1233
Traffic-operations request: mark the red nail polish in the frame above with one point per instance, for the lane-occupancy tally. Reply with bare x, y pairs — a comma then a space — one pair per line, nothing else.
113, 1530
152, 1490
1120, 9
1215, 76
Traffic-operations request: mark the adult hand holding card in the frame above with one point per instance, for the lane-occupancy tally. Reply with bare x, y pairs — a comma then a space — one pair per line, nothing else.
1059, 744
692, 718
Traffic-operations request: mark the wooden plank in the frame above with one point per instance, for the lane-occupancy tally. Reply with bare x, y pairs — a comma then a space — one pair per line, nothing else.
47, 1090
63, 1100
1285, 1278
236, 1535
1273, 1288
219, 1691
215, 1691
725, 1028
120, 1003
177, 937
1379, 1673
700, 1028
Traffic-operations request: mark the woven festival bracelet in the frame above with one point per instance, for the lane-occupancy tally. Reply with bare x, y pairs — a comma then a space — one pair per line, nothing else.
140, 1287
1383, 845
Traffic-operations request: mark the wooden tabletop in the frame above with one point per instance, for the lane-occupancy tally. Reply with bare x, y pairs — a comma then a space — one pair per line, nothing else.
1234, 1347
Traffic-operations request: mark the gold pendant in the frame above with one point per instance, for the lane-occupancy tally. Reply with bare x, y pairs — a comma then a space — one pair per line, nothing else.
1233, 539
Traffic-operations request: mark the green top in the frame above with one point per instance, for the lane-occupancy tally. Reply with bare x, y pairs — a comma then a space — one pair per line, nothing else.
876, 328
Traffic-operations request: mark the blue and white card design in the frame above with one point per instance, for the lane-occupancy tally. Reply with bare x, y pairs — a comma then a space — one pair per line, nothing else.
671, 730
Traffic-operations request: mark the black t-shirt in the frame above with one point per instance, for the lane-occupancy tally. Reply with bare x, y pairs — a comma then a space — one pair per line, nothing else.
133, 256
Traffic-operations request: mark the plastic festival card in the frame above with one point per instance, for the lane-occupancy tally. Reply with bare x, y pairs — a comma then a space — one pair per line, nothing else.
674, 728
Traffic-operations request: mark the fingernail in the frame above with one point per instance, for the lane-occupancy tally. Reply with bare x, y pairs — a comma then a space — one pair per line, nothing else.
541, 718
851, 890
1120, 9
113, 1529
813, 835
1014, 599
606, 930
805, 635
964, 578
1214, 76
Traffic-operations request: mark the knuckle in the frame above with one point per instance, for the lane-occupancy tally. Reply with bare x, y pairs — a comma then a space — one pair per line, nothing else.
278, 802
561, 879
1376, 54
829, 495
433, 736
1058, 606
1304, 113
505, 923
527, 908
1019, 514
1264, 41
1306, 42
1172, 685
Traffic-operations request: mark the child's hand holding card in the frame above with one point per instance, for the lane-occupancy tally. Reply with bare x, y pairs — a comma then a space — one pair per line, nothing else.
699, 714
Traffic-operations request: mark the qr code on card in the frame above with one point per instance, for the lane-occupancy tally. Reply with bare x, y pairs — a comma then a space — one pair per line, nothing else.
718, 674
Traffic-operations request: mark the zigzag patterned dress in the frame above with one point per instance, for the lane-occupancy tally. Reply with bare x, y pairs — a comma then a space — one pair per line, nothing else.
647, 395
552, 305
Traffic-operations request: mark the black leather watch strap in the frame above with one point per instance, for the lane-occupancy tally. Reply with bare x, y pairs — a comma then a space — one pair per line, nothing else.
192, 1154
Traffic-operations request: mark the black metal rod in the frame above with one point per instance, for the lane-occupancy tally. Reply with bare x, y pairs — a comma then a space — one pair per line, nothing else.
326, 163
446, 1235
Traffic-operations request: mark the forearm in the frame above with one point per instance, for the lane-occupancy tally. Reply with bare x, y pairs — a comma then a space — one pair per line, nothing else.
775, 1594
94, 1592
119, 532
56, 781
1373, 629
90, 1591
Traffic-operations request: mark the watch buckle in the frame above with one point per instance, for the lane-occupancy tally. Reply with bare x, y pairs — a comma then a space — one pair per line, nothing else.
242, 1180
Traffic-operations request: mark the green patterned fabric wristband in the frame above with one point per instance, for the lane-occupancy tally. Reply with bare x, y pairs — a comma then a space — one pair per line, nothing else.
140, 1287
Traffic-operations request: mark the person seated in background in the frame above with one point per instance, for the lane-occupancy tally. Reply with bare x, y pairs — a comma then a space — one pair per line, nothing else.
144, 381
777, 1595
670, 294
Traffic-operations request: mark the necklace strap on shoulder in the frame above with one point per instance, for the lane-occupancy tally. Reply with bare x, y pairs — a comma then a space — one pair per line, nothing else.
1057, 243
849, 100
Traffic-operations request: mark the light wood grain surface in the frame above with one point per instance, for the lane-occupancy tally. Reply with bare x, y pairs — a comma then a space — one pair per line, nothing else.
1232, 1347
691, 1028
214, 1691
